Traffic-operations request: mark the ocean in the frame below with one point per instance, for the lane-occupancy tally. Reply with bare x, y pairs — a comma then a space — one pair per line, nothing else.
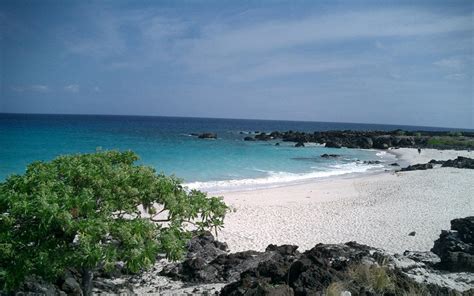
165, 143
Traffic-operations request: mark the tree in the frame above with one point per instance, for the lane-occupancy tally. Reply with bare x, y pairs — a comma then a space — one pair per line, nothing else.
92, 210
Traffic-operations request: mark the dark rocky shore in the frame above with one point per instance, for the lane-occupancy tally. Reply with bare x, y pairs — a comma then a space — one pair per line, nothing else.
374, 139
326, 269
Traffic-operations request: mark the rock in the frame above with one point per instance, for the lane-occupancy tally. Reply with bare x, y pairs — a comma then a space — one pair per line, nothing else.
263, 137
299, 144
36, 286
333, 144
330, 155
207, 262
71, 287
456, 247
364, 142
277, 144
403, 141
249, 139
372, 162
460, 162
382, 142
204, 246
208, 136
420, 166
394, 164
413, 233
436, 161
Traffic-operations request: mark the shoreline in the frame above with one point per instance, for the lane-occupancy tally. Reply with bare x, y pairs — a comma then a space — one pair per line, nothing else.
260, 183
378, 209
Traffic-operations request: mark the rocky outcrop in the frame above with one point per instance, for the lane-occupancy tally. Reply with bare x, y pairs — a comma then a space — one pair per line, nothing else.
264, 137
325, 155
460, 163
372, 162
224, 267
208, 136
334, 143
342, 269
326, 269
373, 139
456, 247
433, 161
416, 167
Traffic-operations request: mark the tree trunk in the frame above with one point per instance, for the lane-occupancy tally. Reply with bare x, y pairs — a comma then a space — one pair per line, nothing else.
87, 277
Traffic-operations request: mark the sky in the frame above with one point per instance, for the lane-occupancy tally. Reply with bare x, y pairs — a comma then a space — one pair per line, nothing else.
403, 62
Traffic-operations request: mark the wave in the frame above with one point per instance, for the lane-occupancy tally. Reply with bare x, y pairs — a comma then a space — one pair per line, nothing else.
275, 179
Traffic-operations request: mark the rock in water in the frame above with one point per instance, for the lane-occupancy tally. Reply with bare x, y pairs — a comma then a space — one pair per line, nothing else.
299, 144
208, 136
334, 143
456, 247
249, 139
330, 155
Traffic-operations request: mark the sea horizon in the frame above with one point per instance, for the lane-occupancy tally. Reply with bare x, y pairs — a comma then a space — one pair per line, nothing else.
398, 126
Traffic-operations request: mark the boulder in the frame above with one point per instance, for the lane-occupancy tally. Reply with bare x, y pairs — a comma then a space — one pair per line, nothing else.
394, 164
71, 287
456, 247
208, 262
419, 166
249, 139
364, 142
372, 162
460, 162
299, 144
433, 161
382, 142
333, 143
208, 136
325, 155
263, 137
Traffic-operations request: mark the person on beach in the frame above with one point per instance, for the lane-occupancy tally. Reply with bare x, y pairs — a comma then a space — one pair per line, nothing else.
419, 150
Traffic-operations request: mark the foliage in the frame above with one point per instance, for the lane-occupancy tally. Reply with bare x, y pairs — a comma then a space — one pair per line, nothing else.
92, 210
372, 277
451, 141
455, 134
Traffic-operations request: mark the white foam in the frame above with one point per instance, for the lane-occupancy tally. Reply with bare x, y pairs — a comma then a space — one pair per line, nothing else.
274, 179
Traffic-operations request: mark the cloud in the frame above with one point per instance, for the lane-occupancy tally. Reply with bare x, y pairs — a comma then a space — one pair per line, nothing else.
451, 63
210, 45
73, 88
40, 88
333, 27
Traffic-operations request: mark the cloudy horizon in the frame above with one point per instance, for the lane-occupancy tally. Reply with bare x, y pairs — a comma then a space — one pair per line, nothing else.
370, 62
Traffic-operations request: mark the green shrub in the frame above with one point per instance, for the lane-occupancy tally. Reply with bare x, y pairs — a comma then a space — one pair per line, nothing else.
459, 142
373, 277
92, 210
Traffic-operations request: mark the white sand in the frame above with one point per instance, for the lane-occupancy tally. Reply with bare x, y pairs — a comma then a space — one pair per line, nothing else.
378, 210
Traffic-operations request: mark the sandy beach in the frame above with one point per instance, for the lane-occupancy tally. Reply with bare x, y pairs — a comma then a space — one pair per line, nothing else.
378, 210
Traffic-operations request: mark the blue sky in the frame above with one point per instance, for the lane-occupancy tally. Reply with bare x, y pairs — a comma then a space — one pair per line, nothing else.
374, 62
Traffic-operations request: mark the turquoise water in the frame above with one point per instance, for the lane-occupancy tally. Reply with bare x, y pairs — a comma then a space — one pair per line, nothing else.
228, 163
